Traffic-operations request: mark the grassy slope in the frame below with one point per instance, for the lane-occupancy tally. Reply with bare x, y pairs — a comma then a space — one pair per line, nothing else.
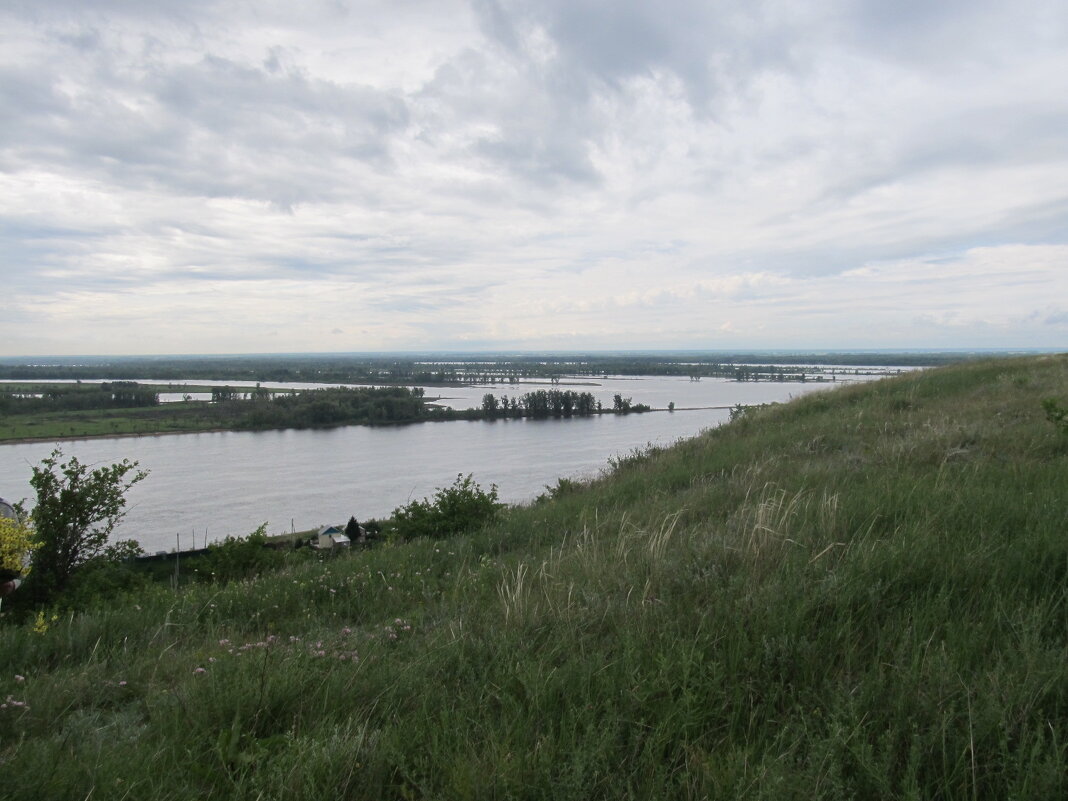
860, 594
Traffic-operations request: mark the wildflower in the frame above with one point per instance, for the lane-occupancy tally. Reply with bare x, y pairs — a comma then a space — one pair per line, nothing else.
42, 624
346, 630
122, 683
199, 671
224, 642
19, 678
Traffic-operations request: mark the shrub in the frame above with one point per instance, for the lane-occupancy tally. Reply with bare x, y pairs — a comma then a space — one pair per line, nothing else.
1056, 414
76, 511
454, 510
241, 557
16, 546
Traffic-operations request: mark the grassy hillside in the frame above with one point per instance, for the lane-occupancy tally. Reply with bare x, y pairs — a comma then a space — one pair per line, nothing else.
861, 594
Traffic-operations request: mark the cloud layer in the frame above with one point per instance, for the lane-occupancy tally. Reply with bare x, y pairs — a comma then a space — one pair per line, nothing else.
181, 177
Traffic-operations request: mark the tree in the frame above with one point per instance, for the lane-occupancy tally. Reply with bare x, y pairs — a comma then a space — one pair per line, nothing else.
352, 529
77, 509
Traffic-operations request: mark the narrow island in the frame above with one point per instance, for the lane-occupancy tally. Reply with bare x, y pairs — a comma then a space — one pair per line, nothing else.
31, 411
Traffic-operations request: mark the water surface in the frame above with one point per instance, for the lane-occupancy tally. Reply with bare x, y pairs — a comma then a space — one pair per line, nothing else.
209, 485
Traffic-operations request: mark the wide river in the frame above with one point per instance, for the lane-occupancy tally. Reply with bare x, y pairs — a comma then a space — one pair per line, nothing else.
203, 487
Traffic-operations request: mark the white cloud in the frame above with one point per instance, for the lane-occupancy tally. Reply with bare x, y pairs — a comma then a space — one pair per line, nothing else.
505, 173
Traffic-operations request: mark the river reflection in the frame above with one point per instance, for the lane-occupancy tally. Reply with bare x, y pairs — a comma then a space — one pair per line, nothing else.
209, 485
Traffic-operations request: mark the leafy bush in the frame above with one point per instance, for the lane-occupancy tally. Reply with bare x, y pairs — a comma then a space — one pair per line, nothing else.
454, 510
17, 544
241, 557
99, 581
563, 487
76, 511
1056, 414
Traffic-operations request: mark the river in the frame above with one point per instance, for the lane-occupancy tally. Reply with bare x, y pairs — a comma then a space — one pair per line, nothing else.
203, 487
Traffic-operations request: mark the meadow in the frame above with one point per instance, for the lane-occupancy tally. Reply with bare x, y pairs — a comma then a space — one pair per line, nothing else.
859, 594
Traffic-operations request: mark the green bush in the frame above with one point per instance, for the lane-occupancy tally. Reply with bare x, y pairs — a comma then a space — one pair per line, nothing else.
241, 557
1056, 414
454, 510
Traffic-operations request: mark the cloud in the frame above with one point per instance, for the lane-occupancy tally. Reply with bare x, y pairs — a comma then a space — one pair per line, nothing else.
531, 174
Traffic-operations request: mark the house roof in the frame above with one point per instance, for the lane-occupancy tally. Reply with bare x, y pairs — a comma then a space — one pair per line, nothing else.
330, 530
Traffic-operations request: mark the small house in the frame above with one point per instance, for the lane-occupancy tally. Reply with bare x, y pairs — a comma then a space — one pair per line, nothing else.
331, 537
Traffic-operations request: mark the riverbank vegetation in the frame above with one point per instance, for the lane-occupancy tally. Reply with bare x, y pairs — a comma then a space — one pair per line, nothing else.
126, 407
859, 594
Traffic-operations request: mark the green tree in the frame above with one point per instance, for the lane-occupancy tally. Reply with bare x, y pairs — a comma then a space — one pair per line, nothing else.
352, 529
76, 511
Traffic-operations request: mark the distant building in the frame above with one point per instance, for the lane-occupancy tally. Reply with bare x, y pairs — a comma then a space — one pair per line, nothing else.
332, 537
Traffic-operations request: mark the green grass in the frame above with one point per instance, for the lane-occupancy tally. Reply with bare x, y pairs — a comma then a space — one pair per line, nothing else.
861, 594
168, 418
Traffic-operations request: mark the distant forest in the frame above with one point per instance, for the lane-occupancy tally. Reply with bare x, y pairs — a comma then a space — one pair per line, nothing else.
77, 397
444, 369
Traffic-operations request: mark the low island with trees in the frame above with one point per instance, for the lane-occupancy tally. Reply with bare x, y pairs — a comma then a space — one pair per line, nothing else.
53, 411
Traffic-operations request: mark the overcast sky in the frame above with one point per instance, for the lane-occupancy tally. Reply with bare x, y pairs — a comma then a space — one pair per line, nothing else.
223, 176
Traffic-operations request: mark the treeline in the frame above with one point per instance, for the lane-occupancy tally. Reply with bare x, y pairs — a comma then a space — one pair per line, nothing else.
439, 369
75, 397
553, 403
334, 406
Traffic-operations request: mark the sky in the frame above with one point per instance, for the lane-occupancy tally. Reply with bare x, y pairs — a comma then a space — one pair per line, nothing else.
253, 176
